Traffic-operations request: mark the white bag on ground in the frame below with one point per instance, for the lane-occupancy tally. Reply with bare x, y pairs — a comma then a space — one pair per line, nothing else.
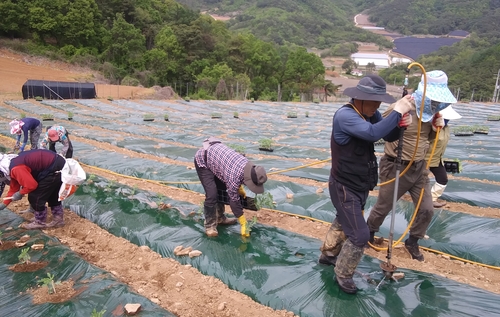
72, 175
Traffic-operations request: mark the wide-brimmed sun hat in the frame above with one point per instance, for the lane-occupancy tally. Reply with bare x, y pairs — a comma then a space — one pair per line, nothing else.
16, 126
449, 113
437, 91
254, 177
371, 88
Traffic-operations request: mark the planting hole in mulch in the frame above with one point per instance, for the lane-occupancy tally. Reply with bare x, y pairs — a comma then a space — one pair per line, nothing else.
28, 267
64, 292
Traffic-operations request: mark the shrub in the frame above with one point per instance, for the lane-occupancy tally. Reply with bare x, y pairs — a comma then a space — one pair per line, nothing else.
307, 114
187, 99
130, 81
316, 100
110, 98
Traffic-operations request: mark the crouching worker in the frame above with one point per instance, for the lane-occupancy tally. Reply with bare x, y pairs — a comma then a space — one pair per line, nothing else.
26, 126
37, 173
221, 168
56, 134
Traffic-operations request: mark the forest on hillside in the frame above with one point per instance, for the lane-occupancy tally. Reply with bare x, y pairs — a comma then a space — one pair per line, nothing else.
161, 42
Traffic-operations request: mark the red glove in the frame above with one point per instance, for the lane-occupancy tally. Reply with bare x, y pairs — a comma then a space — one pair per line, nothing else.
437, 121
405, 120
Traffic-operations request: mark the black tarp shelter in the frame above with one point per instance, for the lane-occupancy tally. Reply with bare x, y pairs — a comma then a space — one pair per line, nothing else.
58, 90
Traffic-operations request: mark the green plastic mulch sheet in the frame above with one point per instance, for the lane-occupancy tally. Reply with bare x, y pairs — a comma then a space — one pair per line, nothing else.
96, 289
274, 267
454, 234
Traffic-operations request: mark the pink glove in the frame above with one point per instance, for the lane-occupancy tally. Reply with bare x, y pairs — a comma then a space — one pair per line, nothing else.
405, 120
437, 122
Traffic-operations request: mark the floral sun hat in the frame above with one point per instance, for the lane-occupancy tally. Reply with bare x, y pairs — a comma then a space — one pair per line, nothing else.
436, 90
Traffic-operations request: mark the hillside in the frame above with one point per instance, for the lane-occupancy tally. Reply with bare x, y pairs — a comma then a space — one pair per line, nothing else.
318, 23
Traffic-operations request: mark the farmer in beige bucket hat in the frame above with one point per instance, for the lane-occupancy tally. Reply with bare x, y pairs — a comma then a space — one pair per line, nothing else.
437, 98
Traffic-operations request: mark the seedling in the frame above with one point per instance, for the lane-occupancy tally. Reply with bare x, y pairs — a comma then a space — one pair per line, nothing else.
95, 313
493, 118
47, 116
49, 282
292, 114
252, 100
481, 129
236, 115
238, 148
38, 98
24, 257
70, 115
187, 99
250, 224
110, 98
149, 117
463, 130
264, 200
316, 100
266, 144
216, 115
23, 115
165, 117
307, 114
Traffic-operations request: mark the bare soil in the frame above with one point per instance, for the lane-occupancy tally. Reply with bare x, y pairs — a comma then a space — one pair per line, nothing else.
63, 292
28, 267
182, 289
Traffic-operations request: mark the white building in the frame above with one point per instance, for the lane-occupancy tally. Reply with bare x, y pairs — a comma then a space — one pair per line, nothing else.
400, 60
380, 60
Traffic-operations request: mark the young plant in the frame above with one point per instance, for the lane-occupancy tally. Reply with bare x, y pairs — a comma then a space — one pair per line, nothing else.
70, 114
95, 313
24, 257
23, 115
216, 115
47, 116
292, 114
187, 99
250, 224
252, 100
38, 98
49, 282
307, 114
316, 100
110, 98
264, 200
236, 114
482, 129
165, 117
238, 148
149, 117
266, 143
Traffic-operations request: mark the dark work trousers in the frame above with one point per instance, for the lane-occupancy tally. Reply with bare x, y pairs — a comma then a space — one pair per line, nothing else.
440, 174
35, 136
349, 205
413, 181
69, 153
48, 187
212, 184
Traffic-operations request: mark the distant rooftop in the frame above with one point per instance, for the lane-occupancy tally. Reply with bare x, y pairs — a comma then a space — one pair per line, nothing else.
369, 55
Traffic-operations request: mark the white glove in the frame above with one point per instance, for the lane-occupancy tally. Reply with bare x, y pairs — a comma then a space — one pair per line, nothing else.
403, 105
437, 122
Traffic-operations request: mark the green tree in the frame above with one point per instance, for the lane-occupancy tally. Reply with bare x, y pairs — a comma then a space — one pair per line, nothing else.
348, 66
302, 68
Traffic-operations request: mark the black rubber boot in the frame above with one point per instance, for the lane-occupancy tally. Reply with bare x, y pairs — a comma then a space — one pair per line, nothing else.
210, 221
411, 244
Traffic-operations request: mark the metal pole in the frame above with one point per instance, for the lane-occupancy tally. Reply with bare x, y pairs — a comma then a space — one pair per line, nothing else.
495, 94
